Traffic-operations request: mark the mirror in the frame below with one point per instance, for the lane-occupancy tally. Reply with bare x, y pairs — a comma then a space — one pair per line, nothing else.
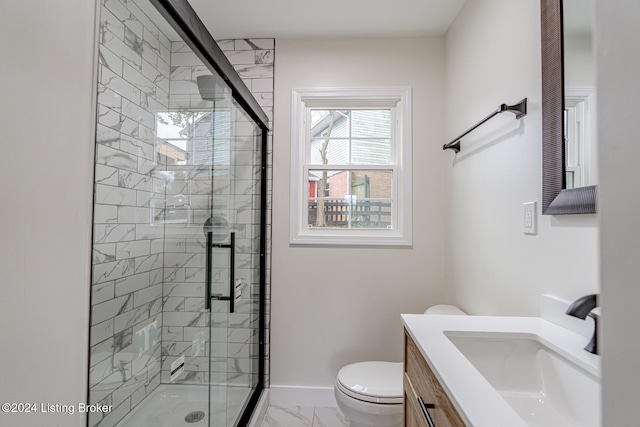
579, 94
568, 171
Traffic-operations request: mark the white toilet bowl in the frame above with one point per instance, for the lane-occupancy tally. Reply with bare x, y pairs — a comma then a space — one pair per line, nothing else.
370, 393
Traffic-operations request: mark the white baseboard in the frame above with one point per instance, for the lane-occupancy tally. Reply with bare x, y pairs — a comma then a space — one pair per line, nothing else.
285, 395
260, 410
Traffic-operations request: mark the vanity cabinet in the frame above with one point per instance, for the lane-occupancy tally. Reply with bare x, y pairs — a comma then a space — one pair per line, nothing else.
420, 382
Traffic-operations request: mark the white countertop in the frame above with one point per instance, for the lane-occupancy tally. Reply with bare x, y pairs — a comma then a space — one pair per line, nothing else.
477, 402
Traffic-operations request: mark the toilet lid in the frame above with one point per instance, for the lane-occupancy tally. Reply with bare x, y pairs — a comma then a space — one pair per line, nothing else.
375, 382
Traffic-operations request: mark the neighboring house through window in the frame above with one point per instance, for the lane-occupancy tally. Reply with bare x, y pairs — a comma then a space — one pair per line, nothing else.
351, 166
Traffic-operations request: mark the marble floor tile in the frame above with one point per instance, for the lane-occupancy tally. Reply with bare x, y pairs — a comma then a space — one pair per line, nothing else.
289, 416
329, 417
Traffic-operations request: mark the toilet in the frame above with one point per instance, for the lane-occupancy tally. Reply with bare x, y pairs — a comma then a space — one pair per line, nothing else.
370, 394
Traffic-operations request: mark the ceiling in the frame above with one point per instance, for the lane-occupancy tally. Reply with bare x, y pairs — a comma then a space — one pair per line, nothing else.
226, 19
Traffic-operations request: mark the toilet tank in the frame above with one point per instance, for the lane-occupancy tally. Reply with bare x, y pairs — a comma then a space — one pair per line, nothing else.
445, 309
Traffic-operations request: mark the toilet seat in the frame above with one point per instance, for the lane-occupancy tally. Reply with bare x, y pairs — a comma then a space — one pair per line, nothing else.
374, 382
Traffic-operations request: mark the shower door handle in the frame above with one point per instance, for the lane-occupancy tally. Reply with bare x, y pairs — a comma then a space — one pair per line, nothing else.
232, 263
207, 285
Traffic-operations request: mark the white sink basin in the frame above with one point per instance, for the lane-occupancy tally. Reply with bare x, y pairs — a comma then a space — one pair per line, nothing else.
544, 387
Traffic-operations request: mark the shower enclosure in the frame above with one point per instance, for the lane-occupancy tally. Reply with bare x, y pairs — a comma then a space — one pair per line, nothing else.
177, 305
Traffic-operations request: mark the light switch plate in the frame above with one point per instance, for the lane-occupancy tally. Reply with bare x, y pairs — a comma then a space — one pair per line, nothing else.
529, 218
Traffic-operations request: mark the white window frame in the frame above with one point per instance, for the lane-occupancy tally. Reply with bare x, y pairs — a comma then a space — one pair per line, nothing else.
581, 160
396, 98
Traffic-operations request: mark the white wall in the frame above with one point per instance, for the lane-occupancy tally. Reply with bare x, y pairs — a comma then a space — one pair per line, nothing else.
493, 57
336, 305
618, 68
579, 65
47, 114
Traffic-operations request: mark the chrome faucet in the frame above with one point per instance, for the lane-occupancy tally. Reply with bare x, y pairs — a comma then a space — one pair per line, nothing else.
581, 308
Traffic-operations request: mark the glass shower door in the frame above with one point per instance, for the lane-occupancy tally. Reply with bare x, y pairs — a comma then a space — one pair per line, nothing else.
185, 140
220, 181
233, 235
175, 306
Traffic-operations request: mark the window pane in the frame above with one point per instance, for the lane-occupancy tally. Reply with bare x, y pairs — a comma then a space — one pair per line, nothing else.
371, 152
336, 151
330, 123
371, 123
350, 199
371, 184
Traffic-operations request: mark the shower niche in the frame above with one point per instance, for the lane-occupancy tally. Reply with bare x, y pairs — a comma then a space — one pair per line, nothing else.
178, 267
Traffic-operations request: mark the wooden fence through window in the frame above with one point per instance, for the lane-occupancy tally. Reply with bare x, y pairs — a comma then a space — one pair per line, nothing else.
362, 214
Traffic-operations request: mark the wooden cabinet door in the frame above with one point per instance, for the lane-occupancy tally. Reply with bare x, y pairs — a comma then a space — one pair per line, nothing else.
424, 384
413, 416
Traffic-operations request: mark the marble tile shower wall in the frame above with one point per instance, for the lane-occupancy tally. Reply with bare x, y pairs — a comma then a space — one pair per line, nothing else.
133, 262
133, 84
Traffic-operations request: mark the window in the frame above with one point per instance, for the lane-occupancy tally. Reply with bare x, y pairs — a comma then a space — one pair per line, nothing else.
579, 139
351, 166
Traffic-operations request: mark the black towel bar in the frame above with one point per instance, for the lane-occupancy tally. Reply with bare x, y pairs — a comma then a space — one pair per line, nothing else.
519, 109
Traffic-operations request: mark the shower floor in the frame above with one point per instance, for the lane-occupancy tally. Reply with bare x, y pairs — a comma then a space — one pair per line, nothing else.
168, 405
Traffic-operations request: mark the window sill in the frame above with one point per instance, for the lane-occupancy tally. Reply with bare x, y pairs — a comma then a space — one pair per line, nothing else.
350, 238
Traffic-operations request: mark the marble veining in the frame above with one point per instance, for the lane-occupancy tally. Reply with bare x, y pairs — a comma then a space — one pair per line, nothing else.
255, 71
137, 79
101, 331
114, 196
180, 73
134, 180
123, 48
108, 21
152, 41
148, 263
133, 42
117, 8
122, 340
114, 81
173, 304
264, 57
102, 292
194, 275
109, 61
329, 417
293, 416
299, 416
112, 270
109, 98
105, 214
139, 114
133, 25
115, 158
110, 118
146, 167
106, 135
